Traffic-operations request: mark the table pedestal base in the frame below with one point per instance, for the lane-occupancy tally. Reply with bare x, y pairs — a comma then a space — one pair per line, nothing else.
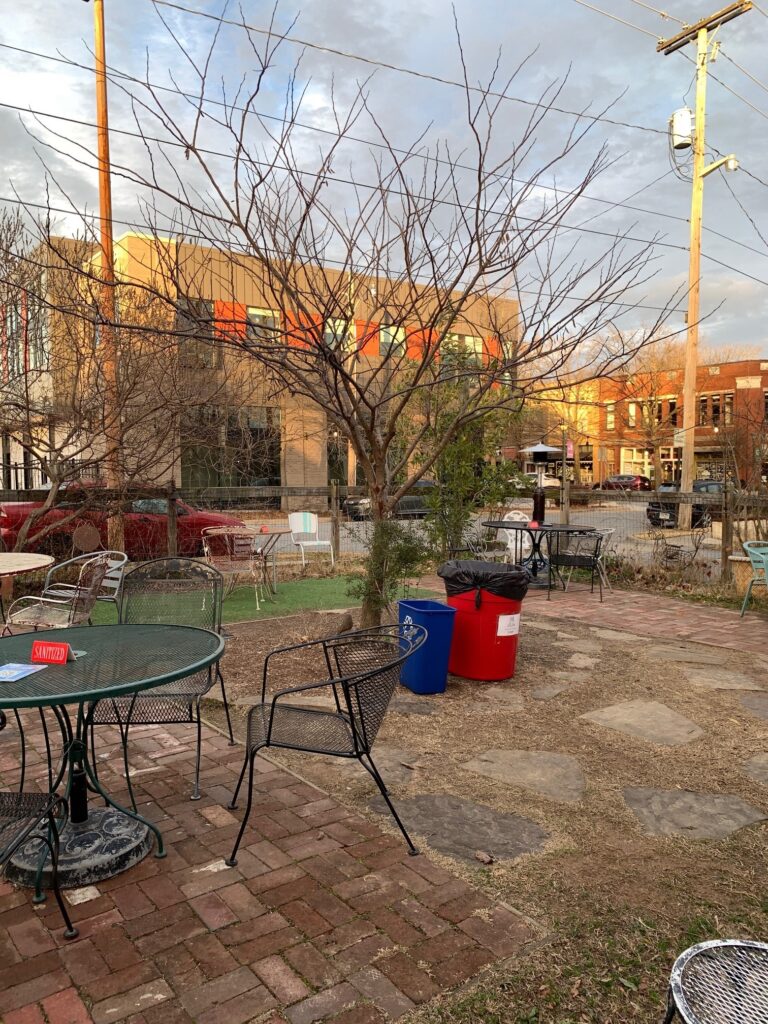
108, 843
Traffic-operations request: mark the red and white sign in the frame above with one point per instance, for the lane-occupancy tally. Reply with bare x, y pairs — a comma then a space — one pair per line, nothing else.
50, 652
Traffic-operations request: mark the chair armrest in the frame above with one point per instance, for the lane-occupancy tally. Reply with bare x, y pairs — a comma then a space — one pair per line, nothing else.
293, 647
305, 687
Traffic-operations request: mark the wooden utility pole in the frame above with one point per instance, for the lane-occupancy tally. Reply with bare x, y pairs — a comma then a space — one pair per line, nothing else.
698, 33
107, 306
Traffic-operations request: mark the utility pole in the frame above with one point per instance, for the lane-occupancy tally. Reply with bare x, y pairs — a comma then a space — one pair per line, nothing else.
698, 33
107, 306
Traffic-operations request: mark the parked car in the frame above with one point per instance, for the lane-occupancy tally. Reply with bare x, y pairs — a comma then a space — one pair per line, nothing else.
410, 506
547, 480
146, 526
626, 482
664, 514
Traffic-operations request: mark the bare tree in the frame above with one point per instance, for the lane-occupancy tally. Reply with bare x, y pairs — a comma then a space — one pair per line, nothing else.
373, 263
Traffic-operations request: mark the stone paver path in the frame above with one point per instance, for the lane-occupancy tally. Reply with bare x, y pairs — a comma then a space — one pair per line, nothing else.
649, 720
325, 917
757, 767
461, 827
757, 704
696, 815
558, 776
720, 679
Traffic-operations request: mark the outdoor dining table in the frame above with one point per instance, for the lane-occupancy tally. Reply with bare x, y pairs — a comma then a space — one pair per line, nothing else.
536, 561
268, 538
16, 563
116, 661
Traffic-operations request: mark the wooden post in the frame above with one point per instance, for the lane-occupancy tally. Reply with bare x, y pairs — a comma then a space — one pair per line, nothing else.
726, 534
173, 522
335, 518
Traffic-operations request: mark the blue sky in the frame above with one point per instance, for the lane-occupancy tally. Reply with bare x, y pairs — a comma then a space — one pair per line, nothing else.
603, 61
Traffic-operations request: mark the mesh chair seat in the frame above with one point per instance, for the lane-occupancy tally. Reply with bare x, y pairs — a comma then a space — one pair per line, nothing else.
721, 982
164, 704
45, 615
324, 732
19, 813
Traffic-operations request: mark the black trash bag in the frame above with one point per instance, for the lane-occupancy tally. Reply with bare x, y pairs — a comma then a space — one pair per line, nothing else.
497, 578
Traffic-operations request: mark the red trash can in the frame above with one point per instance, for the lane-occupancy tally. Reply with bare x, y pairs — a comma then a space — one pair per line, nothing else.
488, 599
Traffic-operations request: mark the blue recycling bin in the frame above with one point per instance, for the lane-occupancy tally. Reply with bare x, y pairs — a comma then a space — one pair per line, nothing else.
426, 671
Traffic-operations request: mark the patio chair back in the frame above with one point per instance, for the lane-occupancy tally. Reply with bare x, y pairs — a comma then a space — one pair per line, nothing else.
173, 591
518, 542
368, 664
574, 550
757, 552
89, 584
228, 550
303, 525
111, 585
85, 538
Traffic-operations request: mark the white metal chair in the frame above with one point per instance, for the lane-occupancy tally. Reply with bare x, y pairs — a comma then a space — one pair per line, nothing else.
305, 534
519, 544
45, 612
111, 585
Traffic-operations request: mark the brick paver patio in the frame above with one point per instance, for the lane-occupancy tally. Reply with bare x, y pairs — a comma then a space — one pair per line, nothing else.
646, 614
325, 916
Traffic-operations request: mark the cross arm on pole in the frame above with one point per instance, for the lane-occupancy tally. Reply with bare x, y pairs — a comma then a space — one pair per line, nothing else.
712, 21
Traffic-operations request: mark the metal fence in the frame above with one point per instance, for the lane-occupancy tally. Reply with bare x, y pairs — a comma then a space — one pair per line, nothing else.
645, 528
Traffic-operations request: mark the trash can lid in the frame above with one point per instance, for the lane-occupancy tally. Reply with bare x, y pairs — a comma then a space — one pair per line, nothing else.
499, 578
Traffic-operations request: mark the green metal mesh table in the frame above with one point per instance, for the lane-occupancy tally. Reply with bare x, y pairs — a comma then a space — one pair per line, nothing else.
118, 661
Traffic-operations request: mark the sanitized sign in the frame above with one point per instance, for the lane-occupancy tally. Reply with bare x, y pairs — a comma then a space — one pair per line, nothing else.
51, 653
508, 625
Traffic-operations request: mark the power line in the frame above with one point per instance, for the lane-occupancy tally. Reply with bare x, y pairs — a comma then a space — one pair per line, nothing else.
661, 14
358, 184
427, 76
743, 70
191, 236
614, 17
113, 75
746, 212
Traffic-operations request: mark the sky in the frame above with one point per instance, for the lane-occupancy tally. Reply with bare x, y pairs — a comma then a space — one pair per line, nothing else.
597, 62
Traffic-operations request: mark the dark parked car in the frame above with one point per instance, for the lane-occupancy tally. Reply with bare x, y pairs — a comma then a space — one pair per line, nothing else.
664, 514
627, 482
410, 506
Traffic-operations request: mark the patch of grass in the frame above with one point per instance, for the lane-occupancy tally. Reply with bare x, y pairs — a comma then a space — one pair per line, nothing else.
294, 596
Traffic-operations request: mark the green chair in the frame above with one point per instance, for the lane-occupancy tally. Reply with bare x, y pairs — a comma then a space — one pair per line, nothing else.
757, 550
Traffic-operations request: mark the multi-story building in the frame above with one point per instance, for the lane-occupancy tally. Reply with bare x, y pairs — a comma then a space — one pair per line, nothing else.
198, 408
638, 422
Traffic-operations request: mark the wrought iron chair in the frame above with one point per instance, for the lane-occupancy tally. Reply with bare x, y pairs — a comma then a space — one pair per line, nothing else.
605, 548
305, 533
574, 551
57, 612
236, 554
111, 585
173, 591
757, 552
724, 981
27, 817
363, 671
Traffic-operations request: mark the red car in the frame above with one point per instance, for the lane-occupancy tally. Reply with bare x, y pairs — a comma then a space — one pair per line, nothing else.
146, 527
627, 482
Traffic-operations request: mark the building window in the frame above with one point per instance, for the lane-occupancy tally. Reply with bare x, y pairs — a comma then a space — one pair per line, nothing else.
262, 325
338, 334
703, 410
672, 414
715, 404
391, 339
13, 340
632, 414
37, 331
467, 347
231, 448
610, 416
194, 325
728, 408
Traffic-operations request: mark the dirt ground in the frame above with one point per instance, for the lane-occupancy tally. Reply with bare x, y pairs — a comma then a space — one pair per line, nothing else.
619, 903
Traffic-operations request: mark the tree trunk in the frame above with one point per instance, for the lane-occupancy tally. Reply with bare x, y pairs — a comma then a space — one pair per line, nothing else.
375, 583
657, 474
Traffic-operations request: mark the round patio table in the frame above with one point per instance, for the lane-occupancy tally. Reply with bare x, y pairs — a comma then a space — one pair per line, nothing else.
536, 561
15, 563
113, 661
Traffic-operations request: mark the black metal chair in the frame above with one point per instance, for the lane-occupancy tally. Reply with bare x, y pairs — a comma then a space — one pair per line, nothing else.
723, 981
27, 817
363, 671
179, 592
568, 550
